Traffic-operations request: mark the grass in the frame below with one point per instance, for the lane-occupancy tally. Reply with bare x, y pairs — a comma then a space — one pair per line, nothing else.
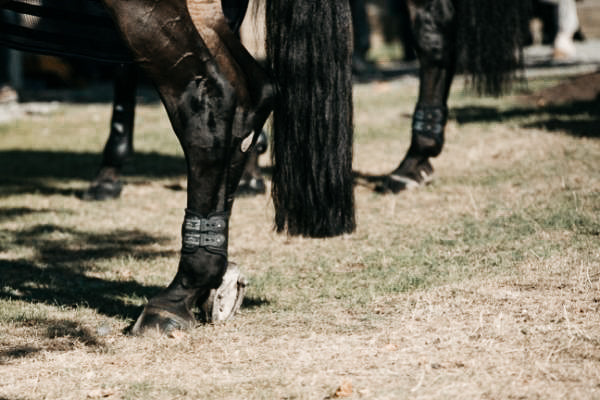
485, 284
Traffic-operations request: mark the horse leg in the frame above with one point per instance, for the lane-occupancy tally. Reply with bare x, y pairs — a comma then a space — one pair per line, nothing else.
252, 181
119, 147
178, 45
433, 28
260, 92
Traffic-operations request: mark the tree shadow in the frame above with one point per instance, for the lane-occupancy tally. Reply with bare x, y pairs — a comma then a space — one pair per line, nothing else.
52, 335
58, 272
388, 73
579, 119
63, 271
28, 171
254, 302
10, 213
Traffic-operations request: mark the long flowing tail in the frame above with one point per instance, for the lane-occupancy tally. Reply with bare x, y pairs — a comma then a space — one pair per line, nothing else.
490, 38
309, 48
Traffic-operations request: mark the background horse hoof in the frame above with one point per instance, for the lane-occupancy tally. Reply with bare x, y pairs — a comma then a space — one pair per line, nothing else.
261, 143
405, 178
251, 187
103, 190
224, 302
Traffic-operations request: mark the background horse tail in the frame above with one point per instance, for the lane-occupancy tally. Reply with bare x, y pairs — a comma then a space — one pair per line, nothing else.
309, 49
490, 38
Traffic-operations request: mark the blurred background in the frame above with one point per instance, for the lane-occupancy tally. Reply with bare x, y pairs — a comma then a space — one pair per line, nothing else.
382, 50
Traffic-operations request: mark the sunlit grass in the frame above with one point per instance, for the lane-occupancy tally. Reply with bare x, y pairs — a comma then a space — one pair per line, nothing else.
430, 277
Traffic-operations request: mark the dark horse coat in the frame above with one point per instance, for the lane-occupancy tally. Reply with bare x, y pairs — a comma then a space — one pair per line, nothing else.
217, 98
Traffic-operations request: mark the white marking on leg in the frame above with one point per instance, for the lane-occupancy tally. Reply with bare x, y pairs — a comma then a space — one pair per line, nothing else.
247, 142
408, 183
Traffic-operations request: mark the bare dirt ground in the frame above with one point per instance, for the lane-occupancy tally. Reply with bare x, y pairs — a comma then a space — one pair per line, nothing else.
585, 87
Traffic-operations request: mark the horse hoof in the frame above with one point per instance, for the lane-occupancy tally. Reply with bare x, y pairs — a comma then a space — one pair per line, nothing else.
261, 143
226, 300
394, 183
252, 187
103, 190
159, 321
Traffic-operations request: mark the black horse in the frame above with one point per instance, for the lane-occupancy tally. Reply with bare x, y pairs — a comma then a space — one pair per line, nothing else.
217, 98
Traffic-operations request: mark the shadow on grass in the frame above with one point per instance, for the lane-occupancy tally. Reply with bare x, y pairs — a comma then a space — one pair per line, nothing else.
254, 302
56, 274
10, 213
52, 335
32, 164
579, 119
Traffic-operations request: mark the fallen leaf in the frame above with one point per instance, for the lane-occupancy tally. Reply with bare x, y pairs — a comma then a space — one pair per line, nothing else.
345, 390
99, 393
177, 334
391, 347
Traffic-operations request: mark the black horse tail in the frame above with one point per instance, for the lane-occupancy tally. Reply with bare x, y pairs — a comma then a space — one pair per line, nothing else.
490, 37
309, 49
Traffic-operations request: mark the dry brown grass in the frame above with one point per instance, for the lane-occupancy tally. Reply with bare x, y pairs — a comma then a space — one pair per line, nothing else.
485, 284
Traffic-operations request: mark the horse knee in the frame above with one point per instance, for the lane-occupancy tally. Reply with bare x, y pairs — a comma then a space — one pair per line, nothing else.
206, 111
433, 24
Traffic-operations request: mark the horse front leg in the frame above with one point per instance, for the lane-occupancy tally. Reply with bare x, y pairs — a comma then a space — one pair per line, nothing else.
433, 24
119, 147
201, 99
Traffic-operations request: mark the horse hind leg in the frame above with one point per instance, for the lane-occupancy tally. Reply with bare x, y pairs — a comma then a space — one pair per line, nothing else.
255, 88
252, 181
119, 147
433, 28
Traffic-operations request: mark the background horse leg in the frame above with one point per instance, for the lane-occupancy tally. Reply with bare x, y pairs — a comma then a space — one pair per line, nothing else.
252, 181
484, 38
433, 28
261, 93
119, 147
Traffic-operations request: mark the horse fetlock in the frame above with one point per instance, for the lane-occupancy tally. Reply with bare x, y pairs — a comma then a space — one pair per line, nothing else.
204, 249
262, 143
428, 130
106, 185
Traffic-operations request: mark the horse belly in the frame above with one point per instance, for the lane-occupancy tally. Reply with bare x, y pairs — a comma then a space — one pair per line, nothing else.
66, 28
